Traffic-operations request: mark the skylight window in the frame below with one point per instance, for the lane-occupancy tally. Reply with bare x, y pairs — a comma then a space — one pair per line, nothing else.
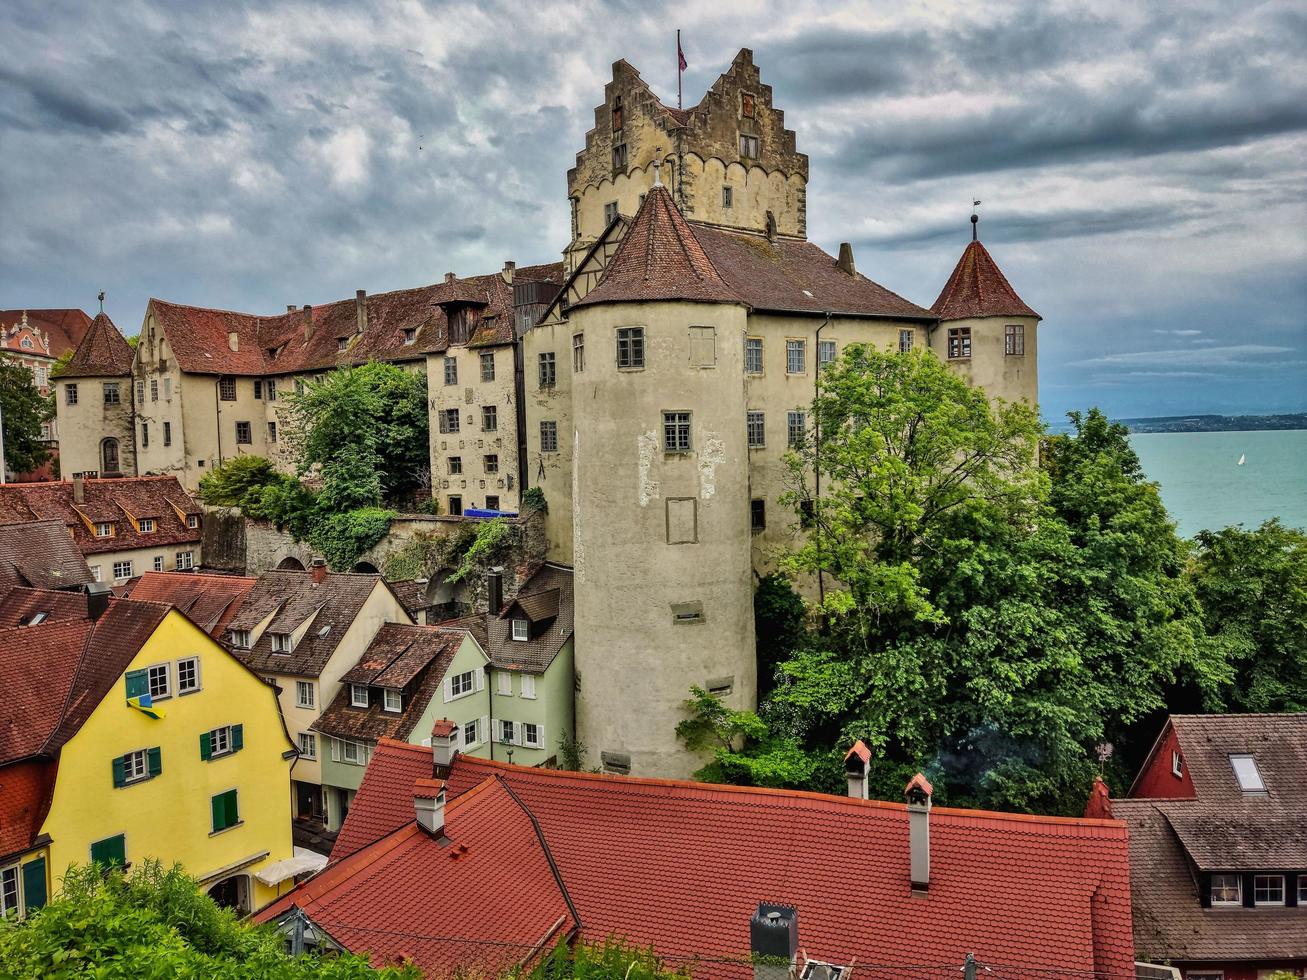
1246, 771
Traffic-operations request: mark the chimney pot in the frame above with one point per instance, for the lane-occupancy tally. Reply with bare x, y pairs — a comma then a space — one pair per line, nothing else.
845, 262
429, 805
79, 489
444, 741
857, 762
307, 313
290, 307
773, 938
318, 570
918, 793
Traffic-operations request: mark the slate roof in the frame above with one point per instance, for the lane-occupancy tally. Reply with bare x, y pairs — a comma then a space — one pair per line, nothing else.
40, 554
504, 904
1220, 829
65, 328
548, 590
1045, 894
291, 597
978, 288
273, 345
210, 601
102, 353
158, 497
412, 659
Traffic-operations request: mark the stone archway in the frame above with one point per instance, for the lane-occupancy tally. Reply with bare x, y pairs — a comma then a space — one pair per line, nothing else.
233, 893
109, 460
290, 564
366, 566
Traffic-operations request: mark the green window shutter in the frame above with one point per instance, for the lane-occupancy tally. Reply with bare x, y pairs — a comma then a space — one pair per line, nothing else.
224, 811
219, 813
111, 850
156, 760
138, 683
233, 817
119, 773
237, 737
34, 884
206, 746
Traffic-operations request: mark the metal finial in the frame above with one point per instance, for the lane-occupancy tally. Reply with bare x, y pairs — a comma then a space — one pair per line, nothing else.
975, 219
102, 301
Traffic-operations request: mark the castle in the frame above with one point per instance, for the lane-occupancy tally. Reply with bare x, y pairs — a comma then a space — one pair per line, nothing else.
649, 385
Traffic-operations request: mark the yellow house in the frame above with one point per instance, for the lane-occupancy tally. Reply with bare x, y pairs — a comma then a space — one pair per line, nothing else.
137, 736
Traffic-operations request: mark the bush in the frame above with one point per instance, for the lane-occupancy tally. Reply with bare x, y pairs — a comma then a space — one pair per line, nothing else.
228, 483
343, 538
534, 499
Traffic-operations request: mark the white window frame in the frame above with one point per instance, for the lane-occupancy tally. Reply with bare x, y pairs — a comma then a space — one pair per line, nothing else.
11, 883
360, 753
136, 766
756, 423
194, 663
521, 630
158, 563
507, 728
1240, 773
538, 742
504, 683
528, 686
184, 561
358, 695
578, 352
1302, 889
192, 521
461, 685
147, 525
240, 639
388, 695
475, 738
95, 572
796, 424
1177, 766
122, 570
1269, 879
1227, 903
827, 352
305, 702
164, 672
308, 745
282, 643
104, 529
220, 741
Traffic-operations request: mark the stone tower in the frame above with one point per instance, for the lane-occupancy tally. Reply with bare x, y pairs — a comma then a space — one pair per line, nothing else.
728, 161
660, 464
95, 400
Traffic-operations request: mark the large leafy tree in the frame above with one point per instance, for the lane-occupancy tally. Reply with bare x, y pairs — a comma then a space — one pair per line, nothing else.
25, 410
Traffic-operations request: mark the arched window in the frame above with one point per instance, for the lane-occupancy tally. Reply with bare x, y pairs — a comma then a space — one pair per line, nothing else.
291, 564
109, 456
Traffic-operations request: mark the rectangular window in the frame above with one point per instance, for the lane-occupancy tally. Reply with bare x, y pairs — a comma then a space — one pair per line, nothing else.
728, 196
167, 433
304, 694
147, 525
471, 735
70, 394
104, 529
619, 156
451, 370
154, 389
455, 504
489, 418
220, 742
352, 753
676, 432
1014, 339
1302, 889
531, 735
244, 435
610, 212
308, 743
95, 573
794, 429
410, 335
1268, 889
491, 463
825, 353
455, 465
757, 425
703, 347
158, 563
226, 813
270, 389
111, 396
188, 675
753, 355
1227, 889
158, 681
1247, 773
959, 342
272, 432
504, 683
227, 389
796, 356
136, 766
9, 891
507, 732
392, 701
448, 419
167, 389
521, 630
464, 683
757, 515
111, 850
185, 561
630, 347
488, 366
358, 695
240, 639
1177, 767
529, 686
549, 437
281, 642
140, 392
748, 146
492, 501
145, 435
122, 569
548, 370
193, 520
578, 353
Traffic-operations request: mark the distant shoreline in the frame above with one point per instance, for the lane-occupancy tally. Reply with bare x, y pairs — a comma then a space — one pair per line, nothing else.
1216, 423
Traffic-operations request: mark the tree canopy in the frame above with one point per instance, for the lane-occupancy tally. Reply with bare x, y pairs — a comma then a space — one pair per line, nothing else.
25, 410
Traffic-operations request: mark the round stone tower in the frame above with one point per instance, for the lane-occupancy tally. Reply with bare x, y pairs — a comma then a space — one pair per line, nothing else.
664, 592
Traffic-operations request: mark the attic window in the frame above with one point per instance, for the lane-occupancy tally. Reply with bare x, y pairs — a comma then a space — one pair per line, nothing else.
281, 643
1177, 765
748, 146
36, 619
1227, 889
240, 639
521, 630
147, 525
410, 334
104, 529
358, 695
342, 343
1246, 771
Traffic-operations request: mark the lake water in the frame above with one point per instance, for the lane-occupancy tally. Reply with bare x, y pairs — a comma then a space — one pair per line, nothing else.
1204, 487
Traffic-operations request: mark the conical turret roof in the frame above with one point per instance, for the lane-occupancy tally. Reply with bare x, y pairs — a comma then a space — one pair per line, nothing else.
660, 259
979, 288
103, 352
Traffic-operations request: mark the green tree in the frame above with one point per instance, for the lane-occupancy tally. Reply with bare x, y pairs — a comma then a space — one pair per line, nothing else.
1252, 586
24, 411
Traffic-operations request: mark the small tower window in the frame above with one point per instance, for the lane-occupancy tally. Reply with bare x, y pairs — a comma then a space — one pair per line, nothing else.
617, 113
1014, 339
728, 196
619, 156
610, 212
748, 146
959, 342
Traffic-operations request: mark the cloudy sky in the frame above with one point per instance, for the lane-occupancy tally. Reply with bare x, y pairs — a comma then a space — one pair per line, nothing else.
1143, 166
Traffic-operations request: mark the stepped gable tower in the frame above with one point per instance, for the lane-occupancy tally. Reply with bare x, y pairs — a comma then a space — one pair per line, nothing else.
987, 333
660, 464
727, 161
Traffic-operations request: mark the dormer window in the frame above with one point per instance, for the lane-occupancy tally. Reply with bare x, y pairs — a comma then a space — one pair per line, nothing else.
392, 701
1227, 889
410, 335
192, 520
342, 343
1248, 775
281, 642
1268, 889
147, 525
104, 529
521, 630
240, 639
358, 695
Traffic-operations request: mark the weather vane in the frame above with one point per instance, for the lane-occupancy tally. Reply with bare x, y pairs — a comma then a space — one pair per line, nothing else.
975, 218
102, 301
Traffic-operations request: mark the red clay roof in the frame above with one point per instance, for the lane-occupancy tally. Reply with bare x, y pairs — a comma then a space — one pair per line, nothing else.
26, 789
103, 353
1040, 893
978, 288
117, 501
19, 606
660, 259
65, 328
40, 554
211, 601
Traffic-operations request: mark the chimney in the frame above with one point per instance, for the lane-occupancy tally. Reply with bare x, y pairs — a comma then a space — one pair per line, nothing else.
290, 307
361, 309
449, 278
429, 805
918, 793
509, 268
845, 262
308, 321
79, 489
774, 941
1099, 806
495, 590
97, 599
318, 570
444, 738
856, 763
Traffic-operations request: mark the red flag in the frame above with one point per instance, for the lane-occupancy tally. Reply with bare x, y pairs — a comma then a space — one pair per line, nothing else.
680, 56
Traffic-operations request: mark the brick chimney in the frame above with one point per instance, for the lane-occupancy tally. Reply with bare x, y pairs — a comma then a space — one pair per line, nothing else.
495, 590
307, 313
318, 570
444, 746
79, 489
918, 793
845, 263
1099, 806
774, 941
857, 761
429, 805
290, 307
361, 309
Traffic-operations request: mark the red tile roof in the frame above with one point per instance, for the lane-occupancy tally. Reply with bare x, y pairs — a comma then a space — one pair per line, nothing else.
978, 288
41, 554
103, 353
211, 601
660, 259
18, 606
26, 789
65, 328
681, 866
116, 500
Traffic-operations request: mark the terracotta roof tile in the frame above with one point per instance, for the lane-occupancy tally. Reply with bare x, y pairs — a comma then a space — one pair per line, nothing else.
40, 554
65, 328
18, 606
102, 353
26, 789
978, 288
210, 601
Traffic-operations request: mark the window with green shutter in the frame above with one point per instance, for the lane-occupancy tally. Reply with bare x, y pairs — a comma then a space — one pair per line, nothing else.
225, 813
34, 891
138, 683
111, 850
218, 742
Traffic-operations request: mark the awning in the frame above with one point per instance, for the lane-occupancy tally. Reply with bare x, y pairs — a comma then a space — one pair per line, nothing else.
304, 862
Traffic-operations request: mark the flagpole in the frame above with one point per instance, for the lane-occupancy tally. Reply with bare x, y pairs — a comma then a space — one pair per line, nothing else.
678, 68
